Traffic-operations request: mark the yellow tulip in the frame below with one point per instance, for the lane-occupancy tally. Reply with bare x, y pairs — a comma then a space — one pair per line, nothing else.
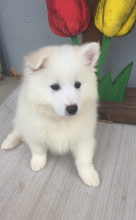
115, 17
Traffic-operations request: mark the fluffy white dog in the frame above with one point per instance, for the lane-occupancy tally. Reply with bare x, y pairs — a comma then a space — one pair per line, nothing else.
57, 106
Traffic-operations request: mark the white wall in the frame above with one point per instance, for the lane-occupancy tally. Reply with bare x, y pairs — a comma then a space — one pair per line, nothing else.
24, 27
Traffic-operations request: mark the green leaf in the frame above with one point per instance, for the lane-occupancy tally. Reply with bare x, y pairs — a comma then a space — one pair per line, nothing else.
114, 91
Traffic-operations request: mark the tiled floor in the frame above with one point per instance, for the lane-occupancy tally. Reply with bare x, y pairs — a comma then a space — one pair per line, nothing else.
57, 192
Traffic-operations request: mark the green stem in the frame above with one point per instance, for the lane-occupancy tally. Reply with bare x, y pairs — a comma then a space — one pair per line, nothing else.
75, 40
105, 47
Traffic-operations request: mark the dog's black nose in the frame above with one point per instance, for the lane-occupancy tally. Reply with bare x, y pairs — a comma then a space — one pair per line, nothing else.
71, 109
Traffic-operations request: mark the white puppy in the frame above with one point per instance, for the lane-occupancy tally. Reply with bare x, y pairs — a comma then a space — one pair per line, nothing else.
57, 107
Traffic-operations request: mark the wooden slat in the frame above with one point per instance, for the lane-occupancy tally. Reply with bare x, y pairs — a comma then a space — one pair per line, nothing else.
120, 112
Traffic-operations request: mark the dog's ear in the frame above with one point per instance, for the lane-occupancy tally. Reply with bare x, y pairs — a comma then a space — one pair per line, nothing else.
91, 52
35, 62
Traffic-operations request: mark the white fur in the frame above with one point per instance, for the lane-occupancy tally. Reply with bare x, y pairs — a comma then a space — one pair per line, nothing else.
41, 118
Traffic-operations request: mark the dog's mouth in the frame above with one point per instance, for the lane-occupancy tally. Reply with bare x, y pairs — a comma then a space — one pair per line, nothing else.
67, 115
70, 115
61, 116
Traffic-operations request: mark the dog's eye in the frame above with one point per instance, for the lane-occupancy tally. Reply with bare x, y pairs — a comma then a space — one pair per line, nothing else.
55, 87
77, 85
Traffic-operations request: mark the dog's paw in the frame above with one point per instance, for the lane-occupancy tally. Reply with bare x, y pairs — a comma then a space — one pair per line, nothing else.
89, 176
38, 162
12, 140
8, 144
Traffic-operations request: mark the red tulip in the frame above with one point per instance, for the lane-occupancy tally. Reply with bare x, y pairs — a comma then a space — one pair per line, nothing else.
68, 18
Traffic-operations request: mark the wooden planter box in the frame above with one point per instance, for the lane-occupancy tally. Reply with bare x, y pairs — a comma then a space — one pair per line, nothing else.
119, 112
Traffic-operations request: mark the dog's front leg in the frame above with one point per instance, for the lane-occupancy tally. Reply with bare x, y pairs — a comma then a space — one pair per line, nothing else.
83, 160
39, 155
